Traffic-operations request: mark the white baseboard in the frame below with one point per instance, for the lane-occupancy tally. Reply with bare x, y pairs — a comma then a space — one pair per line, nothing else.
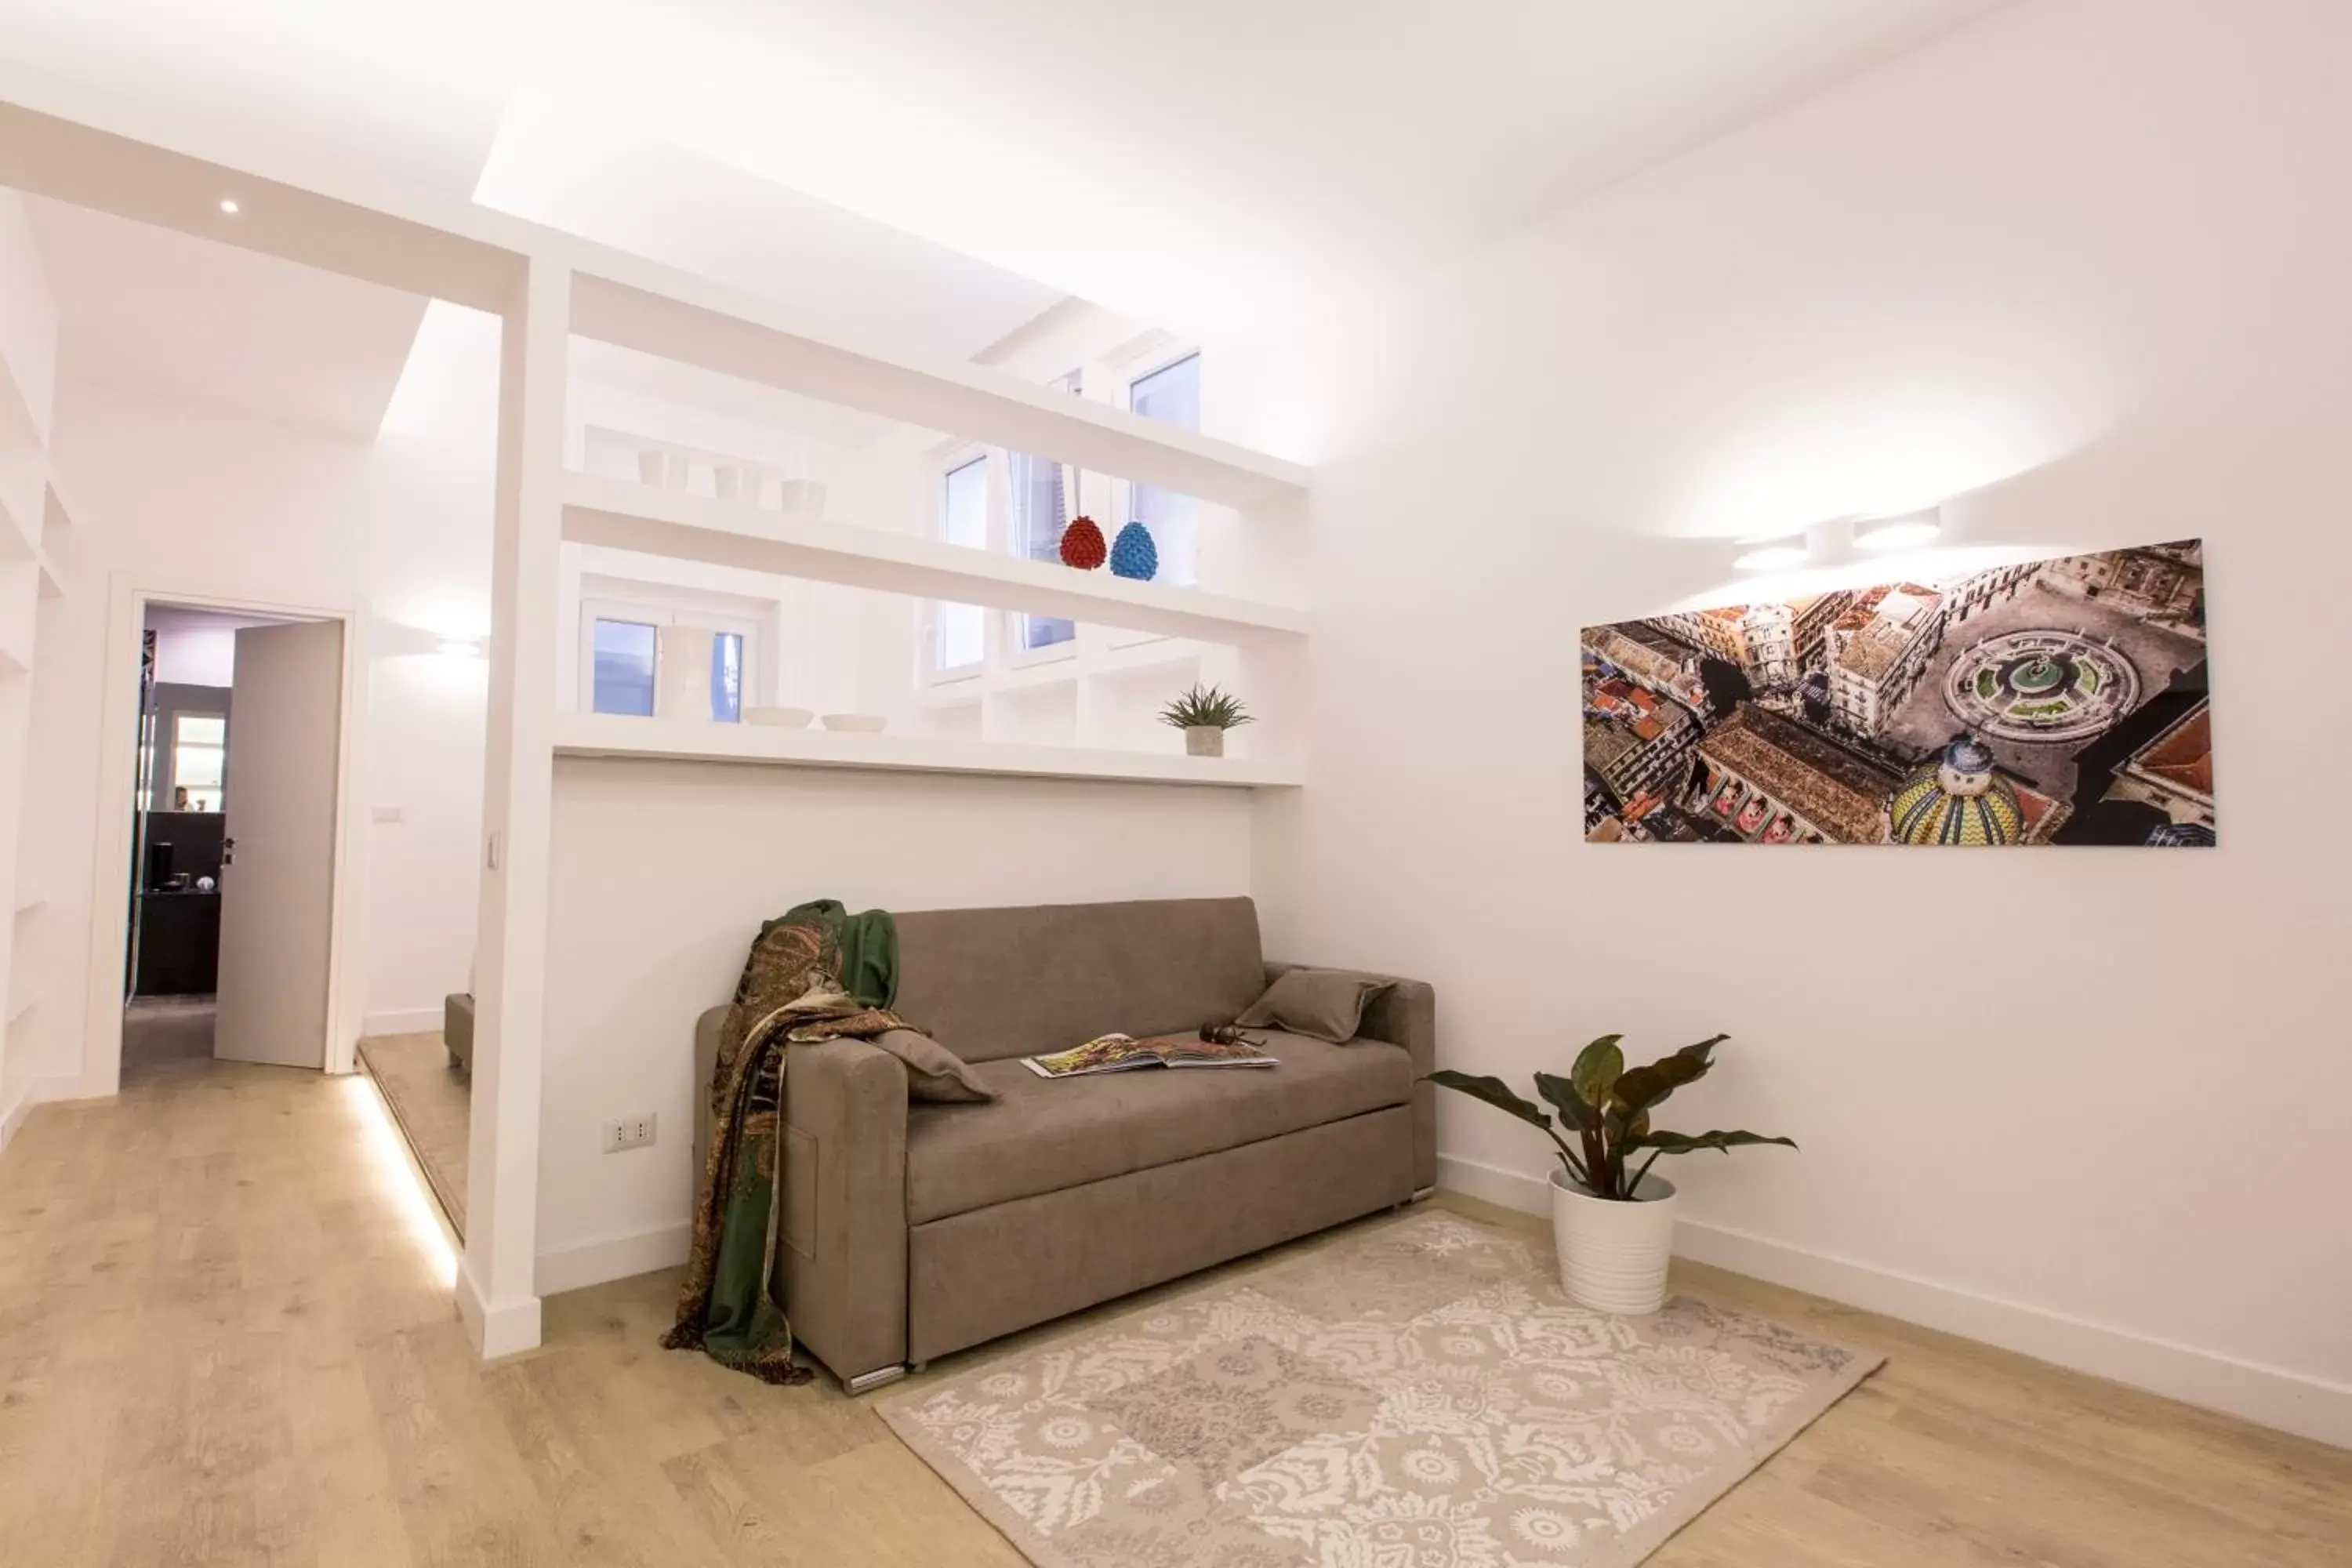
407, 1021
508, 1329
2272, 1396
18, 1105
614, 1257
32, 1091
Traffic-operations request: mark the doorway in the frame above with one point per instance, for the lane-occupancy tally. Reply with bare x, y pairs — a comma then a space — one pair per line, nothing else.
236, 816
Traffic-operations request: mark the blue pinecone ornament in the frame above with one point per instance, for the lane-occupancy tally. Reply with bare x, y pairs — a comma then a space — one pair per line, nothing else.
1132, 554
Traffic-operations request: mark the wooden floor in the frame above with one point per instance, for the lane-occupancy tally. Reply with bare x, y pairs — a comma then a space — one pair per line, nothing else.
434, 1103
222, 1341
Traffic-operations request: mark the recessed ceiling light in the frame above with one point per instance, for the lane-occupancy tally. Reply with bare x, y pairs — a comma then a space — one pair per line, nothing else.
229, 206
1909, 532
1772, 558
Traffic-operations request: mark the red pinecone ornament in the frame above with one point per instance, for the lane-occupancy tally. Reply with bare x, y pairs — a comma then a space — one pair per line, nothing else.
1083, 546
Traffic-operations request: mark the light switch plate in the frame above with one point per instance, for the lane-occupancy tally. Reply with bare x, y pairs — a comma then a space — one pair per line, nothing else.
387, 814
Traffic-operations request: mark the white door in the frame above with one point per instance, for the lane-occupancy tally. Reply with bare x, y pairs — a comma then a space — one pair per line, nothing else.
277, 876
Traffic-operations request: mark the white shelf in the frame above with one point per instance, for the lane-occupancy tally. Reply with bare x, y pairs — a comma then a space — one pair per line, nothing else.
644, 305
652, 522
30, 897
1112, 664
20, 1007
606, 735
19, 540
53, 587
18, 430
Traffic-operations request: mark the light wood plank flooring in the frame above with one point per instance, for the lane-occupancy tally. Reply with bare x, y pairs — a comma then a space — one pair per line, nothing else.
433, 1104
221, 1342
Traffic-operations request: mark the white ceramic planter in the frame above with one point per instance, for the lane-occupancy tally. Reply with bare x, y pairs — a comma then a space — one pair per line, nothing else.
1614, 1256
663, 470
800, 498
682, 673
1203, 740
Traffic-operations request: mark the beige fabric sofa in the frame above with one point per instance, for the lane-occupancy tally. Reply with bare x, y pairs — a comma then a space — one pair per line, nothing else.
913, 1231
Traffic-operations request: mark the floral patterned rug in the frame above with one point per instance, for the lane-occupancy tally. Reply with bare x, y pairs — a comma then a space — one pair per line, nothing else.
1421, 1396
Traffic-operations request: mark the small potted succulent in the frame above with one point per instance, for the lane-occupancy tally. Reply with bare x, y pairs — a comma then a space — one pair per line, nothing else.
1204, 714
1614, 1226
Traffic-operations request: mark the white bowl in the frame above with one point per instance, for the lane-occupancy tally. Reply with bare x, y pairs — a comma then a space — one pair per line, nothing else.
781, 718
865, 724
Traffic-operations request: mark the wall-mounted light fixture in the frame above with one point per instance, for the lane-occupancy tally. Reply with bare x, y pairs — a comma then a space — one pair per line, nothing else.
1905, 530
458, 648
1782, 555
1841, 540
229, 206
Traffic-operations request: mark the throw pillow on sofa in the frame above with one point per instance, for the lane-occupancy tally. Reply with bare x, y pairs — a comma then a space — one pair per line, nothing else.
934, 1073
1324, 1004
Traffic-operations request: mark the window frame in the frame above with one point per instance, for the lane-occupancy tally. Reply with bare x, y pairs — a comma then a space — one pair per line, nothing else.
218, 791
1018, 654
1134, 373
954, 461
654, 613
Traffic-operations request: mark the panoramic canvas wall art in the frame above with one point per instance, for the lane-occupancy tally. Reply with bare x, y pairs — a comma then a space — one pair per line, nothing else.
2059, 701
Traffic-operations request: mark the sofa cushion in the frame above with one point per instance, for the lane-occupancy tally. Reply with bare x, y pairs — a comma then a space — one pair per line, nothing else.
992, 983
1324, 1004
1042, 1135
933, 1072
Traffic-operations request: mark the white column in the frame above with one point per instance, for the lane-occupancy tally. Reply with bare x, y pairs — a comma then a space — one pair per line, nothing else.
496, 1291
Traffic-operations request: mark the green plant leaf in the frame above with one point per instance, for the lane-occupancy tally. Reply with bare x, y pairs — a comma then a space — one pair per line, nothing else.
1596, 1070
1641, 1088
1205, 707
1689, 1142
1574, 1112
1494, 1092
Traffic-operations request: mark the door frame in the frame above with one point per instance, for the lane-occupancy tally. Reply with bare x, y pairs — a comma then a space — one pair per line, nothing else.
129, 596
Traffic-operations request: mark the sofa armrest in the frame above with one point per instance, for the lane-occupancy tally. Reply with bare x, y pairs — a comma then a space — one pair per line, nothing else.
845, 1238
1404, 1015
843, 1257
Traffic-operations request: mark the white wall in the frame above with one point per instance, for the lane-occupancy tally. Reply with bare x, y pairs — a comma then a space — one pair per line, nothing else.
663, 873
27, 374
2089, 255
190, 500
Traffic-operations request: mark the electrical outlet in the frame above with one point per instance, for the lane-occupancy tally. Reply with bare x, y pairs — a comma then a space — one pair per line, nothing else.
629, 1132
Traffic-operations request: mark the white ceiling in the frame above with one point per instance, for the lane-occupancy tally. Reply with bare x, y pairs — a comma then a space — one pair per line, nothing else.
148, 309
927, 175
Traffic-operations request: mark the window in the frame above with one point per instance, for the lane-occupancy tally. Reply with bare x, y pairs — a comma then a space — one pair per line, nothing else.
1169, 396
1041, 510
959, 632
199, 759
727, 677
621, 656
624, 675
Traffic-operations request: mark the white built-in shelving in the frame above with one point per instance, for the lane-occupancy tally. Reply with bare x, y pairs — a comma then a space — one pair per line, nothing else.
620, 515
607, 735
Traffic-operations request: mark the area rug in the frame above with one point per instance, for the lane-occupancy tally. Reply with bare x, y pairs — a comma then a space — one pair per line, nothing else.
1421, 1396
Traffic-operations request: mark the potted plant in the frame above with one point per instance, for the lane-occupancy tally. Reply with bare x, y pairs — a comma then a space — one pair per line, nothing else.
1613, 1221
1204, 714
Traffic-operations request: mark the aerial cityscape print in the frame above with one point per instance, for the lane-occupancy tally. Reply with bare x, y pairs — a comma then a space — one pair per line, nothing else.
2059, 701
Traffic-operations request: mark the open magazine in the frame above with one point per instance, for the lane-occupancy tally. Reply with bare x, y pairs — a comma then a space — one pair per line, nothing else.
1124, 1053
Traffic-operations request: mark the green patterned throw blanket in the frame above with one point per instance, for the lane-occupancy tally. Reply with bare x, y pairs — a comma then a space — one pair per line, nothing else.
817, 973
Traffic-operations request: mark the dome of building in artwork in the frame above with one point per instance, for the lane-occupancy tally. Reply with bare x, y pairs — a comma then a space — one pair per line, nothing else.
1955, 797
